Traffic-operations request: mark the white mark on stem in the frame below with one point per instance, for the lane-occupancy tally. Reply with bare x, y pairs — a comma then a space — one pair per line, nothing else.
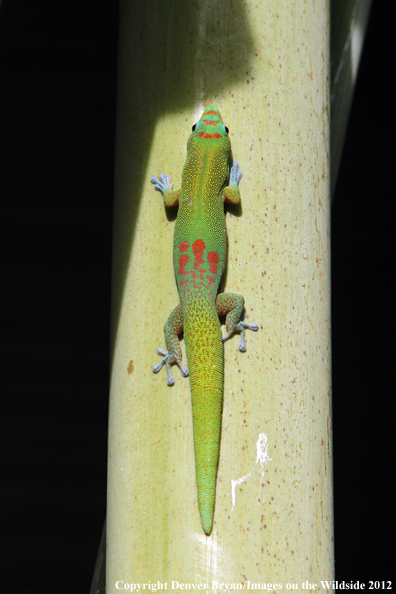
262, 450
234, 484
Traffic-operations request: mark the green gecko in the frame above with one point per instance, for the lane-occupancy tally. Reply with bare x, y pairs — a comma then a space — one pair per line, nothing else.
199, 254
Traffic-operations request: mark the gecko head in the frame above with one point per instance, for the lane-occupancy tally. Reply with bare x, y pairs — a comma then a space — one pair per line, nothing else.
211, 130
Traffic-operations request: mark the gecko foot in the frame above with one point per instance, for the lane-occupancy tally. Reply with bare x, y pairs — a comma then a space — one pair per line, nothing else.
240, 327
167, 360
235, 175
163, 183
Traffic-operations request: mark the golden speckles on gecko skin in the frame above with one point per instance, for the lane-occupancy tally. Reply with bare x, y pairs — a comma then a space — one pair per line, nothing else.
199, 252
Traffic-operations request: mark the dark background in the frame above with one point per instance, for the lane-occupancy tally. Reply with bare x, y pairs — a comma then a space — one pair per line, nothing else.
57, 101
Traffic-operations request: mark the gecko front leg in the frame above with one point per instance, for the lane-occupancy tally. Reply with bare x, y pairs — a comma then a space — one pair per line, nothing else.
164, 185
231, 191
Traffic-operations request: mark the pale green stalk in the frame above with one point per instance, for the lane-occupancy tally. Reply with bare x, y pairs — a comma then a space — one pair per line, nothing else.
266, 66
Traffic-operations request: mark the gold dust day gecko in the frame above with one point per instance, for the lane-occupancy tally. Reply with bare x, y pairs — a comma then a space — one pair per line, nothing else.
199, 253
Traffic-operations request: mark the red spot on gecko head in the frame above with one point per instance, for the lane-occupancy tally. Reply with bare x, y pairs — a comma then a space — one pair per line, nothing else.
213, 259
212, 111
183, 247
206, 135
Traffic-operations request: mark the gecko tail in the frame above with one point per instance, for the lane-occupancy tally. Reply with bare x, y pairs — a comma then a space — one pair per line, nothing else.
207, 411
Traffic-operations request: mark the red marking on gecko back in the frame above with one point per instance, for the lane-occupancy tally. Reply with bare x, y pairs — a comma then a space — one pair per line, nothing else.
183, 247
205, 135
211, 122
213, 259
211, 281
183, 260
211, 112
198, 276
198, 249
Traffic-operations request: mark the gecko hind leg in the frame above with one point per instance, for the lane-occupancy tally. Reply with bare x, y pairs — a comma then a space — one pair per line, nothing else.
173, 327
232, 305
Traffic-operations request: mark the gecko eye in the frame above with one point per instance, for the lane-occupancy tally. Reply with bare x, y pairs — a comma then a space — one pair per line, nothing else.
193, 128
226, 130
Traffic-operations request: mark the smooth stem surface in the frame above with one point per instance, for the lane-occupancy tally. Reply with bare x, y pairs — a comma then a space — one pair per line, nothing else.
266, 66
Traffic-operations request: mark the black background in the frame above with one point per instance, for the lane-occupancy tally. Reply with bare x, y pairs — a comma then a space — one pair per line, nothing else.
57, 101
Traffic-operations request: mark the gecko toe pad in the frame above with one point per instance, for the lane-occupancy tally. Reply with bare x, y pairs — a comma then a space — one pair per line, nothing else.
167, 359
